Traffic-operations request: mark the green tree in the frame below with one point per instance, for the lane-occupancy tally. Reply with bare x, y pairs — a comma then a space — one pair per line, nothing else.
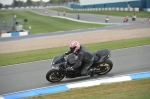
76, 0
18, 3
29, 2
56, 1
36, 3
62, 1
6, 6
15, 3
1, 5
51, 1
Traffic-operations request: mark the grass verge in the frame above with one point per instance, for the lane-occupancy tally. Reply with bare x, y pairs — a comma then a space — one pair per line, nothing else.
43, 54
140, 14
138, 89
43, 24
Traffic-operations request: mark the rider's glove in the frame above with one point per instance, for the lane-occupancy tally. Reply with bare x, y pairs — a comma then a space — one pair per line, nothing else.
66, 53
69, 69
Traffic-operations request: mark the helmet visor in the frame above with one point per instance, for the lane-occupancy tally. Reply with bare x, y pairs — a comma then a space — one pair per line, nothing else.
72, 49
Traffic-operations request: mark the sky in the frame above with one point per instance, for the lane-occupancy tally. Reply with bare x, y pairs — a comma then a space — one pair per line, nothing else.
4, 2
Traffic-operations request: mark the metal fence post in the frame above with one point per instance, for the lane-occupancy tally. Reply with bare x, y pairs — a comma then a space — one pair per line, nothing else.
14, 22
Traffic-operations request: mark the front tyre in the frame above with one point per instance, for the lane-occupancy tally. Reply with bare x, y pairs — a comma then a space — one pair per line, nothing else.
105, 67
54, 76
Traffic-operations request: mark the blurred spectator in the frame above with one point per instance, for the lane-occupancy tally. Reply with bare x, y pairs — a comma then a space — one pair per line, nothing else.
19, 27
8, 31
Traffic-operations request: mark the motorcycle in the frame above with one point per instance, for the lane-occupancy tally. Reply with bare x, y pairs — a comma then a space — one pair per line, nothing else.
106, 20
101, 65
125, 20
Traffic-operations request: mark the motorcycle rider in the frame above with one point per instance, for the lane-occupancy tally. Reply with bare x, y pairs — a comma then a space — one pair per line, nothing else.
83, 55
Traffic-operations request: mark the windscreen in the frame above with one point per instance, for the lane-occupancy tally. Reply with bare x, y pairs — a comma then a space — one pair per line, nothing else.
58, 59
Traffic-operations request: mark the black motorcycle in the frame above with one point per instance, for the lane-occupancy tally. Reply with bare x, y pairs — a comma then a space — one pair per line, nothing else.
101, 65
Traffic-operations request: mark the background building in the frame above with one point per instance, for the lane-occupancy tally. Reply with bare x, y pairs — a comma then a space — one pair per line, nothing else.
141, 4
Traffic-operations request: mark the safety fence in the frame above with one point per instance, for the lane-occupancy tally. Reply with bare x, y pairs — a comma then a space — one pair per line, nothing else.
147, 9
6, 24
10, 8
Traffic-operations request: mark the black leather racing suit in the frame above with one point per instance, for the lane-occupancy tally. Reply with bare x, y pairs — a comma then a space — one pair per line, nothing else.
83, 55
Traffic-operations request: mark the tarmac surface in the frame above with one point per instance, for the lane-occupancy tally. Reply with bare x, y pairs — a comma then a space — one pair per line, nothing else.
88, 17
27, 76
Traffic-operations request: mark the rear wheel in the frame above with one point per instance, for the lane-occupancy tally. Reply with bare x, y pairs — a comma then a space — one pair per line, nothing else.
54, 76
105, 67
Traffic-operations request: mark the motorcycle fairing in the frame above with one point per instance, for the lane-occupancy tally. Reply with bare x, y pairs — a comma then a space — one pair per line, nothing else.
101, 55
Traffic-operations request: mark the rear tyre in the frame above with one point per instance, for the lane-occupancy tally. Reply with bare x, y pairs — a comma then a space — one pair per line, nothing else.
54, 76
105, 67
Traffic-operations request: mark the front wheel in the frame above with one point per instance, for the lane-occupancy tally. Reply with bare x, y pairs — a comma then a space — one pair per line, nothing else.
54, 76
105, 67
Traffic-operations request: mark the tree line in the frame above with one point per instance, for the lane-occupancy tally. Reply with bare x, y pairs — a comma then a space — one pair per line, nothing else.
20, 3
62, 1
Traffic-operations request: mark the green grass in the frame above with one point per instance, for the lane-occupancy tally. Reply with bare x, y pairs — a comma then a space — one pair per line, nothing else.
46, 24
138, 89
43, 54
139, 14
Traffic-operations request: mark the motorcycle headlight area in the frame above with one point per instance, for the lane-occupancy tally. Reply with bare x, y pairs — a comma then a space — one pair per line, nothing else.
55, 67
52, 63
109, 55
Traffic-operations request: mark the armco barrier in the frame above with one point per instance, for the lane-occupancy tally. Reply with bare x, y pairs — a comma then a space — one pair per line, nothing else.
107, 9
62, 88
15, 34
81, 9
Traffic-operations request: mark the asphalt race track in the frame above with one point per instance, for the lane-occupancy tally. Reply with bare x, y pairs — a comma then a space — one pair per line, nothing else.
28, 76
32, 75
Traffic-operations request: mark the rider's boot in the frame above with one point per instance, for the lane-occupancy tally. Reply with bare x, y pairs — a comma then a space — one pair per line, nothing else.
92, 72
